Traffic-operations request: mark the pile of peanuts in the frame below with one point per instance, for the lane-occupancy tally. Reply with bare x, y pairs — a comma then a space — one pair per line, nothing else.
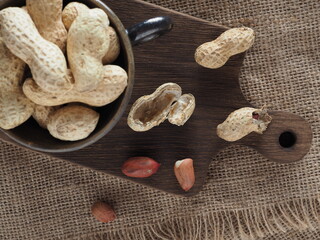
69, 52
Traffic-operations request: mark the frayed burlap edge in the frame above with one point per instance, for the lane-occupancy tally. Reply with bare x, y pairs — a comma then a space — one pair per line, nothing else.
244, 224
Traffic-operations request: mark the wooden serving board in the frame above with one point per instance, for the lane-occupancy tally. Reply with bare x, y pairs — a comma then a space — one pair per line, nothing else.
170, 58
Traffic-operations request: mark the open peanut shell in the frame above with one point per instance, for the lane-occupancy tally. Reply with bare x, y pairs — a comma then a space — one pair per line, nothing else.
242, 122
151, 110
182, 110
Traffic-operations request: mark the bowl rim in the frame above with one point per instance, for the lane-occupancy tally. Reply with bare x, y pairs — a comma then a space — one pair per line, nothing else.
91, 139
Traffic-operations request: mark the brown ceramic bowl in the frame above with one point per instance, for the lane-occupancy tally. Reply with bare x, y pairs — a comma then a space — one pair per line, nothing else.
32, 136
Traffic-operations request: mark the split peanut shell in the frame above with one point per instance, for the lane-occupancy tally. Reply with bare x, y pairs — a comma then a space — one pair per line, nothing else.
242, 122
182, 110
151, 110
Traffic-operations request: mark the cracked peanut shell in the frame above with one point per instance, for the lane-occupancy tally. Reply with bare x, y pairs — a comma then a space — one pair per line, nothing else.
151, 110
242, 122
182, 110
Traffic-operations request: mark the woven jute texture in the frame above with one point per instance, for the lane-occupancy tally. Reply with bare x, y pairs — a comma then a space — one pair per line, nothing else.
245, 196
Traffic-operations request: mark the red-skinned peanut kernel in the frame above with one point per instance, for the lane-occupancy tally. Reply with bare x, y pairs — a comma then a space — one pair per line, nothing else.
184, 172
103, 212
140, 167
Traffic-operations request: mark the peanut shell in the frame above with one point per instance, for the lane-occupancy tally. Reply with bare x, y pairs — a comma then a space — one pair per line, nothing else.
11, 69
45, 59
114, 82
71, 12
72, 123
216, 53
242, 122
182, 110
47, 16
15, 109
114, 47
151, 110
88, 42
42, 113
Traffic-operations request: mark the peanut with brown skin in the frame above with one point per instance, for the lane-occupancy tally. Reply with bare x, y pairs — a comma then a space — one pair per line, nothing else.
184, 172
140, 167
216, 53
103, 212
47, 16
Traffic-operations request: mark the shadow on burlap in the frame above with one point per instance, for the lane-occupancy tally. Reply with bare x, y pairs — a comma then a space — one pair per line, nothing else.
245, 197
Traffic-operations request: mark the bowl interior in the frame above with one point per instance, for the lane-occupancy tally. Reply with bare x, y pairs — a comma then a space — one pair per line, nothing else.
31, 135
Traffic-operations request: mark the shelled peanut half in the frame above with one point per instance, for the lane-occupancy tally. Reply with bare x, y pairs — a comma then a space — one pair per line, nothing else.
48, 39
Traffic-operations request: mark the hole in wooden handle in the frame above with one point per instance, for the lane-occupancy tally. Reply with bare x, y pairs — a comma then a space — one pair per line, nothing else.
287, 139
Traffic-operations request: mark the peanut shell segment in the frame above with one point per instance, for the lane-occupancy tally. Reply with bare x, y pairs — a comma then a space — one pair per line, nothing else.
45, 59
72, 123
151, 110
47, 16
71, 12
216, 53
88, 42
42, 113
114, 47
113, 84
182, 110
11, 69
75, 9
15, 109
242, 122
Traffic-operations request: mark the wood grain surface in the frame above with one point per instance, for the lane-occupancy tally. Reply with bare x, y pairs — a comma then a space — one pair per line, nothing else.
170, 58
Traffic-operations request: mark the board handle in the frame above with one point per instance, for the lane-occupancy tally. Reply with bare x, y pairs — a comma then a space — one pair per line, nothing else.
149, 29
287, 139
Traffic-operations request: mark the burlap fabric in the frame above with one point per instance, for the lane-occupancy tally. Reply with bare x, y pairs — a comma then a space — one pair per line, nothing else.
245, 197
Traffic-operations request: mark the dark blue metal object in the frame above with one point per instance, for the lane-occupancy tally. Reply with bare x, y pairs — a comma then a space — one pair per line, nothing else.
149, 29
